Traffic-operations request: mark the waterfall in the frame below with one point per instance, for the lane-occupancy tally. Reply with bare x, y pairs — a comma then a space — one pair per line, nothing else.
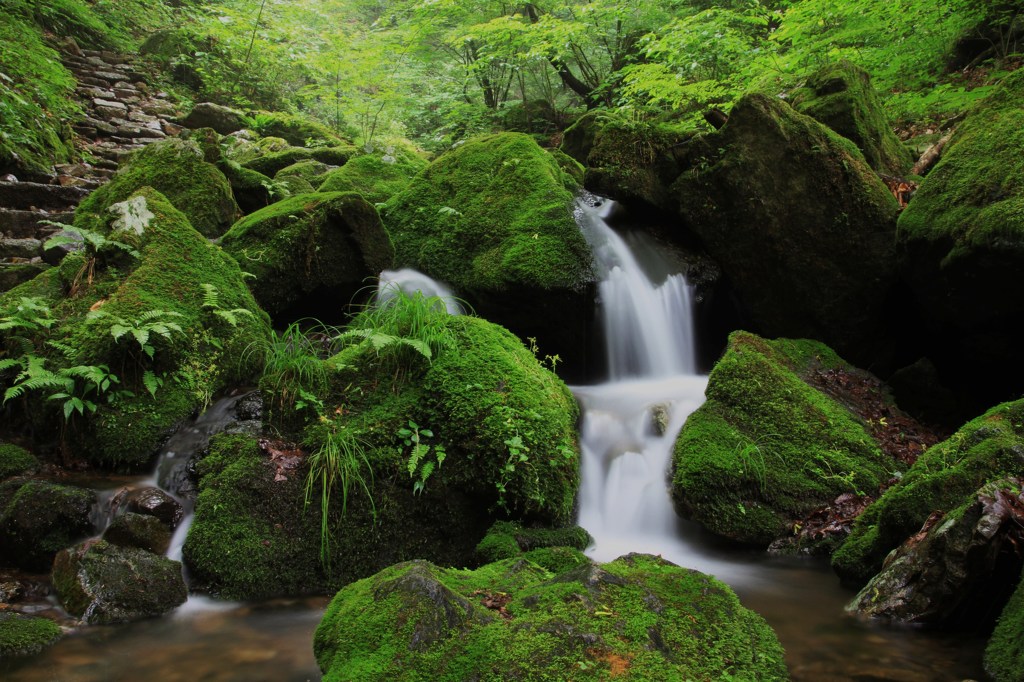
630, 423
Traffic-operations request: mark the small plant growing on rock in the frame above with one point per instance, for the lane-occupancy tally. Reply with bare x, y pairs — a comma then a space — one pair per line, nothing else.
419, 465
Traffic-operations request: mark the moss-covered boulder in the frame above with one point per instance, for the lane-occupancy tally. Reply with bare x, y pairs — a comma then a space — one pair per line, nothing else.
768, 446
15, 461
640, 617
310, 170
944, 478
252, 190
173, 318
504, 427
491, 215
801, 226
963, 234
841, 96
177, 169
22, 635
959, 569
1004, 655
272, 162
378, 177
297, 130
493, 218
506, 540
38, 519
103, 584
634, 161
222, 119
321, 245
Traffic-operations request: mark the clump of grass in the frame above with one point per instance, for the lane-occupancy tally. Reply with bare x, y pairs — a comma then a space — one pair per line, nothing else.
339, 464
402, 330
293, 362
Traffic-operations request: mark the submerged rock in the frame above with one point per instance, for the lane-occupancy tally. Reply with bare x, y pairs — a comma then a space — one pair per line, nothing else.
639, 616
22, 635
963, 233
944, 478
103, 584
151, 501
799, 223
841, 96
954, 570
38, 519
769, 446
321, 246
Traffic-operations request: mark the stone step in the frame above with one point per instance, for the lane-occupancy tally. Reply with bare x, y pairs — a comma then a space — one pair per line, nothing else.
24, 224
26, 195
22, 250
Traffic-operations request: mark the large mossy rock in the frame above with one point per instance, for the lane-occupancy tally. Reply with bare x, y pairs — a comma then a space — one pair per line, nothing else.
959, 569
103, 584
963, 233
378, 177
321, 245
1004, 655
177, 169
254, 536
222, 119
639, 617
769, 446
39, 519
297, 130
841, 96
801, 226
491, 215
493, 218
944, 478
22, 636
178, 278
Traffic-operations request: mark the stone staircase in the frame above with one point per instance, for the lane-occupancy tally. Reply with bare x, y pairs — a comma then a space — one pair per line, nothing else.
122, 113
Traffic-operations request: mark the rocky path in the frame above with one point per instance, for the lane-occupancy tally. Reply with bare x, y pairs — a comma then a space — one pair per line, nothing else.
122, 112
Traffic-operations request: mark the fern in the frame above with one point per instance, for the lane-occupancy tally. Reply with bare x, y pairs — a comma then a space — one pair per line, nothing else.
34, 376
211, 302
158, 322
152, 382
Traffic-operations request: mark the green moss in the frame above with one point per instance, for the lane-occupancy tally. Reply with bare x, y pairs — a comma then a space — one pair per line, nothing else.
766, 448
25, 635
376, 177
944, 477
973, 200
506, 540
638, 616
491, 215
38, 519
297, 130
270, 164
338, 155
1004, 655
253, 536
309, 170
841, 96
176, 169
321, 241
36, 100
15, 461
570, 166
192, 363
252, 190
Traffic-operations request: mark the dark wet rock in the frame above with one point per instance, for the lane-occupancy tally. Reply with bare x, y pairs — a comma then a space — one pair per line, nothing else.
38, 519
14, 274
139, 530
801, 226
103, 584
962, 234
22, 635
639, 616
955, 569
151, 501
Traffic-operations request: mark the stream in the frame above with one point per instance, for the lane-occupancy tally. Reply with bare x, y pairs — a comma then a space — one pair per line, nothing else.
628, 427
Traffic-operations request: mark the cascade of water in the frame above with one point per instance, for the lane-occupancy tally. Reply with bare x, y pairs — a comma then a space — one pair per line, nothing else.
631, 422
410, 281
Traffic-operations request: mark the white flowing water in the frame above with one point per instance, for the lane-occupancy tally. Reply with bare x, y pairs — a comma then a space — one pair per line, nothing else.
410, 281
630, 423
